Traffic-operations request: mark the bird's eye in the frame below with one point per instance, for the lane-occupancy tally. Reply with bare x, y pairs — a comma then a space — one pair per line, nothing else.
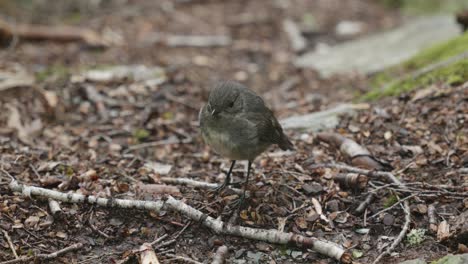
231, 104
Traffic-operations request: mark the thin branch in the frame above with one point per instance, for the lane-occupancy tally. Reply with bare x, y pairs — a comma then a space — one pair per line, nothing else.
369, 173
400, 237
159, 239
188, 260
10, 243
362, 206
45, 256
393, 205
327, 248
168, 141
391, 178
197, 184
80, 198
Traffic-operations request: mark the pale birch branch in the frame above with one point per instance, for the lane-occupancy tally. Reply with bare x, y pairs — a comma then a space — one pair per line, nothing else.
54, 207
327, 248
80, 198
196, 184
220, 255
147, 254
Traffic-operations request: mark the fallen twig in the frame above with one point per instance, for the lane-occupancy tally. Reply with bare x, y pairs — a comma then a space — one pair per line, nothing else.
158, 143
80, 198
45, 256
273, 236
188, 260
9, 81
10, 243
165, 244
357, 154
197, 184
351, 181
393, 205
54, 33
199, 41
220, 255
96, 229
159, 239
391, 178
370, 173
362, 206
147, 254
432, 217
54, 207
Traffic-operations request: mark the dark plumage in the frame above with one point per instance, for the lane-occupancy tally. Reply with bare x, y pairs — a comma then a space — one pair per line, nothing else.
236, 124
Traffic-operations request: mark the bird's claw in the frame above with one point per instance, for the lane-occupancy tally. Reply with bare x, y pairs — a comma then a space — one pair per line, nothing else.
221, 187
238, 202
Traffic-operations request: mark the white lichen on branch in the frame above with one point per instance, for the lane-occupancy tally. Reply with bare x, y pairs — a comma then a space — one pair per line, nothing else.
327, 248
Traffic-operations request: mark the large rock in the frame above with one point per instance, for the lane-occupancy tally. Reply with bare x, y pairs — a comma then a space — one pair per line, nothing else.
376, 52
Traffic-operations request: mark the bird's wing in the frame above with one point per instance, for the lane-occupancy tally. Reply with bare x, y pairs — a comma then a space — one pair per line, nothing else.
268, 128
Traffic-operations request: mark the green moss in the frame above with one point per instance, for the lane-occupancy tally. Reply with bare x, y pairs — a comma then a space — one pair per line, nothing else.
438, 53
418, 7
452, 259
141, 134
58, 71
391, 200
453, 74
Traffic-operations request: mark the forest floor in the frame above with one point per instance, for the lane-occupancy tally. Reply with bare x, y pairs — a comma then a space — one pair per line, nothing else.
81, 131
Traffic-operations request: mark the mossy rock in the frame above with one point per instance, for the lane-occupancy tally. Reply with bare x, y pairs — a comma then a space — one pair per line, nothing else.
452, 259
451, 74
414, 261
418, 7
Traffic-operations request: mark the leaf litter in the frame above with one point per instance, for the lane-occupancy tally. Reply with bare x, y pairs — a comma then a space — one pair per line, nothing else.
100, 113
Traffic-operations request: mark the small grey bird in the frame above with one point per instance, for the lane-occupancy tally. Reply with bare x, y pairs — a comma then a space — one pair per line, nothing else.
237, 125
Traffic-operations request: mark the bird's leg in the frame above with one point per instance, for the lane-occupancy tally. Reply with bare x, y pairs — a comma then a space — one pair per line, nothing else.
242, 198
227, 181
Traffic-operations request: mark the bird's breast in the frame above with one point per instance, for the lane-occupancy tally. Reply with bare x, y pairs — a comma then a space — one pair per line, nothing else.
220, 140
231, 138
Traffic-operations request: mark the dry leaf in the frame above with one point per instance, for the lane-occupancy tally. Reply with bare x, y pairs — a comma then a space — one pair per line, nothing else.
158, 168
24, 131
443, 231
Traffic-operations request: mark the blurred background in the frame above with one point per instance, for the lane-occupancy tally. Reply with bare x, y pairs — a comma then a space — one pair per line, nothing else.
248, 41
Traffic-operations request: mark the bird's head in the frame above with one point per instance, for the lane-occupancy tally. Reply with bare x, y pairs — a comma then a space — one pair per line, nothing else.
225, 98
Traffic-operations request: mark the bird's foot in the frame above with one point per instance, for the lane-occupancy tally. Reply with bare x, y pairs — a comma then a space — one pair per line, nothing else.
238, 203
221, 187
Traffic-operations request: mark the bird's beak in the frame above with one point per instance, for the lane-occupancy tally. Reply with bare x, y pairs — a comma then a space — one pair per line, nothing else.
213, 112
